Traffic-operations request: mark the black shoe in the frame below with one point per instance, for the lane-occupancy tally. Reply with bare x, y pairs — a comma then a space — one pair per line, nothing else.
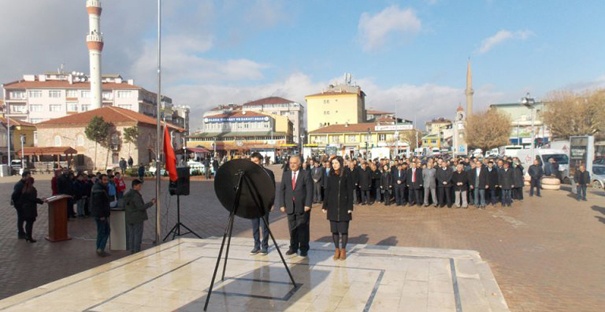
303, 253
22, 236
264, 251
254, 251
290, 252
30, 240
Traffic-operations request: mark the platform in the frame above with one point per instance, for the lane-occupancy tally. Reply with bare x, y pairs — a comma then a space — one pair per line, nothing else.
175, 276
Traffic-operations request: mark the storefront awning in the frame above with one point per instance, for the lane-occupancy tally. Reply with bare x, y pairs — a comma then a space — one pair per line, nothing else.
49, 150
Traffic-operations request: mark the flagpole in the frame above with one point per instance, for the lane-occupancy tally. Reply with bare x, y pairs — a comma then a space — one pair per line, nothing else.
158, 166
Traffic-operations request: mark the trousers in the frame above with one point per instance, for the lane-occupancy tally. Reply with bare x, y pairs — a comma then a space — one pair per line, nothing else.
134, 236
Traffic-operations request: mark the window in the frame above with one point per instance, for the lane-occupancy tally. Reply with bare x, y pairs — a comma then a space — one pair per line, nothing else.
35, 107
326, 112
107, 95
54, 93
72, 93
55, 107
351, 138
18, 108
35, 136
35, 93
124, 94
85, 94
16, 95
382, 137
57, 140
79, 140
85, 107
72, 107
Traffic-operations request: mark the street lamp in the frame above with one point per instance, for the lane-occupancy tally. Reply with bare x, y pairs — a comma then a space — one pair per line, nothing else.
368, 138
302, 141
396, 143
529, 102
22, 152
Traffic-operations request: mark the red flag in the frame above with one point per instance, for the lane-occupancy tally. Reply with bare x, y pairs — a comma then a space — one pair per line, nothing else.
169, 156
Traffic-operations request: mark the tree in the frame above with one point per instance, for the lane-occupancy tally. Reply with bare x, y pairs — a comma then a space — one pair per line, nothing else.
131, 135
487, 130
97, 131
411, 137
568, 113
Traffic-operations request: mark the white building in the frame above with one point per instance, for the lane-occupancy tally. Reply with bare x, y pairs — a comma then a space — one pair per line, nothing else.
37, 98
282, 107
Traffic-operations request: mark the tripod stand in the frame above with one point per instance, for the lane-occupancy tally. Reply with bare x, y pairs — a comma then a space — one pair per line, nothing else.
176, 229
229, 229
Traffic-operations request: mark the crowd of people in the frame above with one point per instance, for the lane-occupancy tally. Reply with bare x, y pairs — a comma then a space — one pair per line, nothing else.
90, 195
432, 181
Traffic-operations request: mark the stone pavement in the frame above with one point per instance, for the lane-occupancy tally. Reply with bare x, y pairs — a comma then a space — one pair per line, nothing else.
177, 275
546, 253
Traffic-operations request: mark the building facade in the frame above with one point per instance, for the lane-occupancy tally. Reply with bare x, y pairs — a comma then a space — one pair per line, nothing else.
369, 140
69, 131
338, 105
521, 120
295, 112
37, 98
229, 131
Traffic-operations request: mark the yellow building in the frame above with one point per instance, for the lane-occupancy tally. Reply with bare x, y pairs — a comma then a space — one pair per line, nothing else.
338, 105
365, 139
20, 132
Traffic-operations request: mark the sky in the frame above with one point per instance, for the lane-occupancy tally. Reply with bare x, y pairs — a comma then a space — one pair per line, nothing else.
409, 57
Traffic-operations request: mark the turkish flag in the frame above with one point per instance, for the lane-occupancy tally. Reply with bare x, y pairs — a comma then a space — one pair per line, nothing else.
169, 156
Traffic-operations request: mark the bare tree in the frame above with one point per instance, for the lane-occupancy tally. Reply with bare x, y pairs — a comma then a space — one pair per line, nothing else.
488, 129
411, 137
568, 113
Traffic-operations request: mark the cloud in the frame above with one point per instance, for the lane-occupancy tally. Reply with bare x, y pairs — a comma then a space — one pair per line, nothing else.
502, 36
374, 30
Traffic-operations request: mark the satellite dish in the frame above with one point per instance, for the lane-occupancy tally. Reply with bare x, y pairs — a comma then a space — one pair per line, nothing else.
257, 191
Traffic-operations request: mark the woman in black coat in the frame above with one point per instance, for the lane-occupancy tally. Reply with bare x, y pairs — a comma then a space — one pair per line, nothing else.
386, 184
375, 182
338, 205
29, 201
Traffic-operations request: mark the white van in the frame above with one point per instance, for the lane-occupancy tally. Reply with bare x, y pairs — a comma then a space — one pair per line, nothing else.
545, 154
510, 150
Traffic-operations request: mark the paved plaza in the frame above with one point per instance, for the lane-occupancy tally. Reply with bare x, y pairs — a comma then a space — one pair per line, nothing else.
546, 254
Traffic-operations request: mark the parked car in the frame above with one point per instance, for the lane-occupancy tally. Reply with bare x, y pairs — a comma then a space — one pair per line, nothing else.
598, 176
196, 167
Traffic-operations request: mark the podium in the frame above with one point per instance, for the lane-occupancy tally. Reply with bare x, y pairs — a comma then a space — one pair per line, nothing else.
117, 223
57, 218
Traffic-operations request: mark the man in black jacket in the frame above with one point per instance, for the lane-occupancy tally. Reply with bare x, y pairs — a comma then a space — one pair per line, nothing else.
17, 191
478, 183
317, 173
100, 211
399, 183
536, 173
444, 184
492, 183
414, 183
582, 178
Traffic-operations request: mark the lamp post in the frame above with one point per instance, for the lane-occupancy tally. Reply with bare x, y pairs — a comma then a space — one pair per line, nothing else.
529, 102
396, 143
22, 152
369, 137
302, 141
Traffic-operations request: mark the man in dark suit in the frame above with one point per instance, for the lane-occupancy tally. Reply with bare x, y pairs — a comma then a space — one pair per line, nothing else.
257, 223
399, 184
414, 183
295, 196
317, 173
478, 183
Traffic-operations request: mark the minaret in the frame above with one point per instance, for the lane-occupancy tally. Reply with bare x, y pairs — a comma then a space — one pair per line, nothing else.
469, 89
94, 41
